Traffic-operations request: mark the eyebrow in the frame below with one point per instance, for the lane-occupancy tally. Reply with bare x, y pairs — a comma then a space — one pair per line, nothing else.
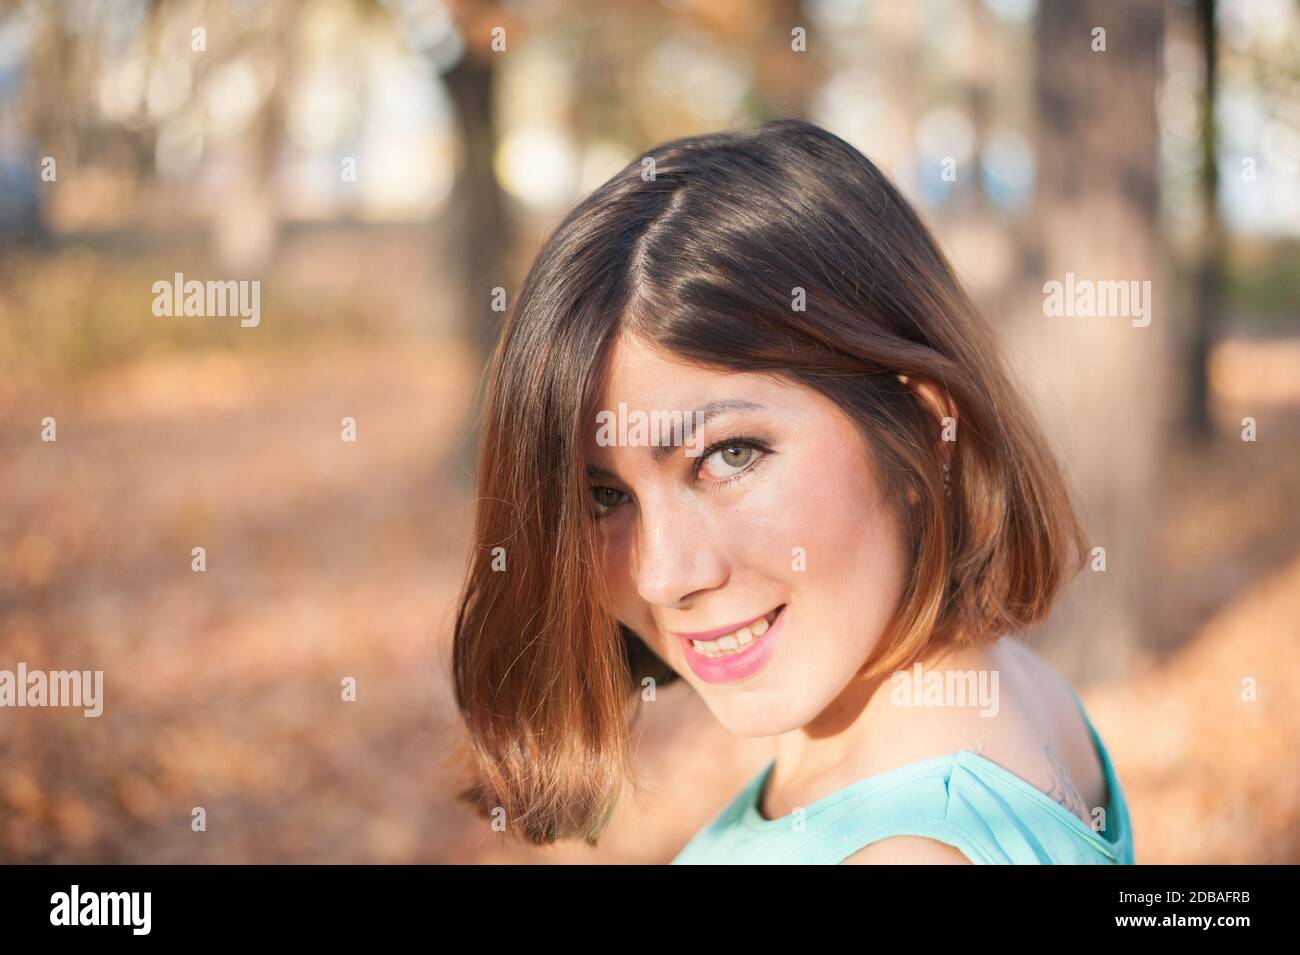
706, 411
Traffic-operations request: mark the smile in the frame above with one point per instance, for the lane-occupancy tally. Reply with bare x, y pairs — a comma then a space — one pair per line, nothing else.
735, 652
737, 641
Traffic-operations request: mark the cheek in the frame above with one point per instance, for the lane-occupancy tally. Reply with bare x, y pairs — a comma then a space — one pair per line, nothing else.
850, 541
616, 544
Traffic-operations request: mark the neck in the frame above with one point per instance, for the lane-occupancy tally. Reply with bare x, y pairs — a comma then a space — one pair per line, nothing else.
851, 728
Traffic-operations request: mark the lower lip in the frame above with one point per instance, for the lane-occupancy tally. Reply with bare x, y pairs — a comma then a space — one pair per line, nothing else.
736, 666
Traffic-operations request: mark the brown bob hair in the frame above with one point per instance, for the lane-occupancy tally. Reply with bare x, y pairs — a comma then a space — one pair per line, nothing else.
698, 247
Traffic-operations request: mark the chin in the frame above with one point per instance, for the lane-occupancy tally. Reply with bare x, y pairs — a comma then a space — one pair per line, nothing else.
754, 718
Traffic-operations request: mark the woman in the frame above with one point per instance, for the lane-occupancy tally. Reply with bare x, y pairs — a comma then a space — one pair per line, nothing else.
745, 429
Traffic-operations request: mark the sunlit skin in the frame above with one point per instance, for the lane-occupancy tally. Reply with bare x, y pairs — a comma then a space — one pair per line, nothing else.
691, 544
696, 543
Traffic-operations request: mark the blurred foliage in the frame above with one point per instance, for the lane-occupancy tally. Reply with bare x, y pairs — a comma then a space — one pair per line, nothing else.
224, 686
1263, 284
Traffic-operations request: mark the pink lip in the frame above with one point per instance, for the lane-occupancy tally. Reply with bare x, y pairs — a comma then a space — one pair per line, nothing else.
734, 667
719, 632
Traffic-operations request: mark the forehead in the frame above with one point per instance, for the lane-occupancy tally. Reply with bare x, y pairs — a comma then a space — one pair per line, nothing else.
648, 378
643, 378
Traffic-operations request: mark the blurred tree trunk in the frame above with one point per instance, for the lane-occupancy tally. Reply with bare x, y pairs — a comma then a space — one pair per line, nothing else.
901, 68
477, 229
978, 68
247, 224
785, 80
1207, 309
1095, 215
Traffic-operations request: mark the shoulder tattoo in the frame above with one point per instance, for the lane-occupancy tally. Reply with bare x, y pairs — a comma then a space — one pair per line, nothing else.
1064, 791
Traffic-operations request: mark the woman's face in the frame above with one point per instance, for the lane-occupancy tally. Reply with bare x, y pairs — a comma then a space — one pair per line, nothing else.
780, 523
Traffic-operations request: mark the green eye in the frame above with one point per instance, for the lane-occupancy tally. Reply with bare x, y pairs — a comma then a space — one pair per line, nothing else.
732, 457
736, 456
606, 498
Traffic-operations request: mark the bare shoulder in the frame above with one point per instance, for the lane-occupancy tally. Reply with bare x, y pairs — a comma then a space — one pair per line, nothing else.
1045, 739
908, 850
1031, 727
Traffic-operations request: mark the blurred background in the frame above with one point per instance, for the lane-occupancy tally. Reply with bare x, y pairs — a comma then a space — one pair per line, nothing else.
380, 168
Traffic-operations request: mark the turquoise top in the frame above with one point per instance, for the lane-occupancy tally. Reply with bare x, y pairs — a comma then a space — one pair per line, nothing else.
963, 799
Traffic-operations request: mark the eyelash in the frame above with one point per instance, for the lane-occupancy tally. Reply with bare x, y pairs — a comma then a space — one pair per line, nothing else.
735, 441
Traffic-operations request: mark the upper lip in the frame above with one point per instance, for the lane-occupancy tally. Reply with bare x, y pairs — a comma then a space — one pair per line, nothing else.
721, 631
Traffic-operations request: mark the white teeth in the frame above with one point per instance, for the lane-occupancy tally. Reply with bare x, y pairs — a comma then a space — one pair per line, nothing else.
732, 642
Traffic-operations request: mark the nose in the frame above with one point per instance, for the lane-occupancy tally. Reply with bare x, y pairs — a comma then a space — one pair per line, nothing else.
679, 556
